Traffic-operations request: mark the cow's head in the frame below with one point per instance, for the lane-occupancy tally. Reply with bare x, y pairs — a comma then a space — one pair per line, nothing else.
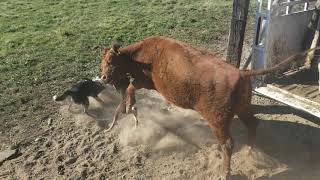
114, 67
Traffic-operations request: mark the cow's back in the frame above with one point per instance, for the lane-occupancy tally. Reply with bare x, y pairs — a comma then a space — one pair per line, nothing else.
190, 77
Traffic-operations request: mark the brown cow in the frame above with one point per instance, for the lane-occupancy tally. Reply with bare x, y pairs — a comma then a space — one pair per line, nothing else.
189, 78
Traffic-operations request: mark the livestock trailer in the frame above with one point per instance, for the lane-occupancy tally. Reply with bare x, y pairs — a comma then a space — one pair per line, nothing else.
282, 28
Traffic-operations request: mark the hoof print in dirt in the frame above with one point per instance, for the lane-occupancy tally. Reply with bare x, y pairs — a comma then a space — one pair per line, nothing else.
38, 155
115, 149
138, 161
50, 121
71, 161
60, 159
85, 149
99, 144
84, 174
48, 144
61, 170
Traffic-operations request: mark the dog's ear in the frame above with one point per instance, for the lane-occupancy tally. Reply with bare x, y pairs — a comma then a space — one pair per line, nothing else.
115, 49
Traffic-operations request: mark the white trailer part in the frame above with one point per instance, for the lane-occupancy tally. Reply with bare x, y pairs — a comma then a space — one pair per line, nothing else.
281, 30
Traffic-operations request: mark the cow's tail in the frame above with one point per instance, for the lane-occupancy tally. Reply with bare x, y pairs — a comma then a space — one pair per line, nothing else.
62, 97
279, 66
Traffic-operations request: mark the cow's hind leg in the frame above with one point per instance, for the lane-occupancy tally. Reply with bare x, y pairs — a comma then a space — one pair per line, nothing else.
220, 127
251, 122
243, 110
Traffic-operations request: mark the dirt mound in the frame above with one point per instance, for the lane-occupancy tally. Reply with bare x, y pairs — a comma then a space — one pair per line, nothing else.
169, 143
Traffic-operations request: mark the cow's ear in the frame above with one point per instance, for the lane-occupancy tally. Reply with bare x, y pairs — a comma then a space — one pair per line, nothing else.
115, 48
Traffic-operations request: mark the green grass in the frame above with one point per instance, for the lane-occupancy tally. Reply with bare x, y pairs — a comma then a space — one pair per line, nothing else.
47, 45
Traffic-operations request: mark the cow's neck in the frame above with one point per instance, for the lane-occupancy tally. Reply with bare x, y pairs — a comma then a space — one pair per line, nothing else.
141, 52
142, 64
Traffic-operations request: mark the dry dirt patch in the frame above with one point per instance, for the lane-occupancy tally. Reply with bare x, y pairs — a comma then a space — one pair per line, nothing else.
169, 143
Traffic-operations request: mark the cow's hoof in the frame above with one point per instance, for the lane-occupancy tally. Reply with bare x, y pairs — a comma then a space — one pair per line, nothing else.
54, 97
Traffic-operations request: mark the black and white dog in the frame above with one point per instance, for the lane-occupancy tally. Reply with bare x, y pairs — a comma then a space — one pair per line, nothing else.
81, 91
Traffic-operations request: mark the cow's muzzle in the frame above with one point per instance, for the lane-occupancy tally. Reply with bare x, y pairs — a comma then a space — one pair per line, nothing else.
103, 77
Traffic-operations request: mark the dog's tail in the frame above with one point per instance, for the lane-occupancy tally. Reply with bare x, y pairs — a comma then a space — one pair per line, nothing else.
277, 67
62, 97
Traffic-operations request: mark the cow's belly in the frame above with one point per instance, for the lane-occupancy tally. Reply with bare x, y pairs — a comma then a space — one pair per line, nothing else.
182, 93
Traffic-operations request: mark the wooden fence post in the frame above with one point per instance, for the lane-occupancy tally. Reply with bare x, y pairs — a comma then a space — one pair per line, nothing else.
313, 25
237, 30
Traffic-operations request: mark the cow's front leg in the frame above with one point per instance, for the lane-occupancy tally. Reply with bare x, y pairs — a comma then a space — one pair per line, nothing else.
121, 108
134, 111
131, 102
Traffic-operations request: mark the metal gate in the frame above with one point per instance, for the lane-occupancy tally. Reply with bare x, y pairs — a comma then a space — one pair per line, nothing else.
281, 30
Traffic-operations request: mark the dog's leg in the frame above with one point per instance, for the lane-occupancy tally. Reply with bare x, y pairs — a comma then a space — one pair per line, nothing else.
97, 98
110, 95
70, 104
86, 106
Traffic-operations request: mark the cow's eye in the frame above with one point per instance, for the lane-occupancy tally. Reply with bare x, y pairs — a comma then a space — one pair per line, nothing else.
108, 62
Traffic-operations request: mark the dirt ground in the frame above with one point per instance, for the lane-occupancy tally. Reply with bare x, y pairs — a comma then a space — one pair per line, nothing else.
169, 143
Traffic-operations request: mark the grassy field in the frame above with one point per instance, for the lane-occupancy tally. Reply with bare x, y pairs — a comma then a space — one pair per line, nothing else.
47, 45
